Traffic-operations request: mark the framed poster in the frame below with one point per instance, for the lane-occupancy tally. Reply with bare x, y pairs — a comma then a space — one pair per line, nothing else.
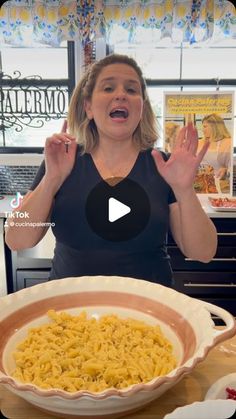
212, 114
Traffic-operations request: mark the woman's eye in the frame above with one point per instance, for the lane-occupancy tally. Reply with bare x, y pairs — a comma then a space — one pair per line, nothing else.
108, 89
131, 90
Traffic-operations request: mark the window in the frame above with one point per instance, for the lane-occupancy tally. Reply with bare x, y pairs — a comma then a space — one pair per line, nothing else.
213, 61
174, 67
36, 84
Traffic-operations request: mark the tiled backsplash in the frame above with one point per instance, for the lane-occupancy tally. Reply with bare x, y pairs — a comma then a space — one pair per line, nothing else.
16, 179
17, 172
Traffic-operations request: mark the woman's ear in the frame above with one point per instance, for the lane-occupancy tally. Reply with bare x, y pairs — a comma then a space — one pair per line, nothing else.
88, 109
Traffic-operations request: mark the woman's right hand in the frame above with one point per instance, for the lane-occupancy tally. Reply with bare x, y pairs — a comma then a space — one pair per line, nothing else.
59, 158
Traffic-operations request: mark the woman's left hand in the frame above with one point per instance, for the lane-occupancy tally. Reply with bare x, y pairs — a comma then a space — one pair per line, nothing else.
180, 169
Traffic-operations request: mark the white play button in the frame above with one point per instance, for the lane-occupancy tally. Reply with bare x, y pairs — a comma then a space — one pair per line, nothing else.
119, 212
116, 209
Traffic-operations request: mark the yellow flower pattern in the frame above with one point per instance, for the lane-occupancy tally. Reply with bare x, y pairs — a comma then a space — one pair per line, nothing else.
181, 10
107, 14
169, 6
63, 11
117, 14
147, 13
25, 15
128, 13
159, 12
40, 11
52, 16
53, 21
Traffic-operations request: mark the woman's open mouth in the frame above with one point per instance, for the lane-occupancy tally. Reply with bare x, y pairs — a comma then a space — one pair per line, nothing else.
119, 114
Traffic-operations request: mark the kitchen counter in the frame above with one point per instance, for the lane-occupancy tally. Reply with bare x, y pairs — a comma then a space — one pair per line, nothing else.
219, 362
212, 213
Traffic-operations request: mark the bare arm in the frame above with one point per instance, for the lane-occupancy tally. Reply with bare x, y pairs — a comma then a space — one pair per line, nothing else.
20, 233
192, 229
37, 205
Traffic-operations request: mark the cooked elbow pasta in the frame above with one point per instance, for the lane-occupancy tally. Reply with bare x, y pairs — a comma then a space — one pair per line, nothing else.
80, 353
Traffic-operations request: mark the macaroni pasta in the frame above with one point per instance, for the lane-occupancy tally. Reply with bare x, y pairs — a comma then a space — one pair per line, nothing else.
80, 353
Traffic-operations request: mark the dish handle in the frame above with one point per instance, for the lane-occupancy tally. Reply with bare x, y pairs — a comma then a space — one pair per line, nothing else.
229, 329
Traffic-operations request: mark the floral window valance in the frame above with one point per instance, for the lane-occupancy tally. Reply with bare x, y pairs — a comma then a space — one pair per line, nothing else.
50, 22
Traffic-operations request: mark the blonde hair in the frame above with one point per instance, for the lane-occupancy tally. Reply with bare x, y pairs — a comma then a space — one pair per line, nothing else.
171, 131
85, 130
219, 130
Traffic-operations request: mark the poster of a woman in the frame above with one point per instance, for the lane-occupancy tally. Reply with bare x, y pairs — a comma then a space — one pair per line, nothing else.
219, 152
212, 114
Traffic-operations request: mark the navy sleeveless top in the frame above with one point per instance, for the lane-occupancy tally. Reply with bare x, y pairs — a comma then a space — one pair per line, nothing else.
80, 251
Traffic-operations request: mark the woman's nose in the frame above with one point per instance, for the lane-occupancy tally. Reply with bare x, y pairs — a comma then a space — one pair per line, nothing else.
120, 93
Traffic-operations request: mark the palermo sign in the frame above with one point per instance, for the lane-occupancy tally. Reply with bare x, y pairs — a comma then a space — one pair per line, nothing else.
31, 101
34, 101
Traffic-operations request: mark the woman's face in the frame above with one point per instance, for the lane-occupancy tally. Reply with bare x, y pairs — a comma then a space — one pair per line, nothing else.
207, 130
117, 102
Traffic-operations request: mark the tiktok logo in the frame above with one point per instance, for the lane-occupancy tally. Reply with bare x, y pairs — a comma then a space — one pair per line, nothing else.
15, 202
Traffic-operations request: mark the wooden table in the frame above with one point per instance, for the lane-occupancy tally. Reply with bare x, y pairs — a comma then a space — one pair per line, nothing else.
220, 361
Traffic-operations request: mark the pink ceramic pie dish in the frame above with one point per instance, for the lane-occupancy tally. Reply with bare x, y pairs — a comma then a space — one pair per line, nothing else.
185, 321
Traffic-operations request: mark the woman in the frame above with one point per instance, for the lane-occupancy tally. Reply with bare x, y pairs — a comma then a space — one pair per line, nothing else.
111, 136
219, 152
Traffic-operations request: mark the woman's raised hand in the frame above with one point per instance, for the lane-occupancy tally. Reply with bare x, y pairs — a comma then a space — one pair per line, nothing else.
180, 169
60, 151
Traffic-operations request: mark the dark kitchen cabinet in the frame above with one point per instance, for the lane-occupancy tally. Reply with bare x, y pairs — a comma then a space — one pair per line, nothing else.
27, 278
28, 270
215, 281
32, 266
